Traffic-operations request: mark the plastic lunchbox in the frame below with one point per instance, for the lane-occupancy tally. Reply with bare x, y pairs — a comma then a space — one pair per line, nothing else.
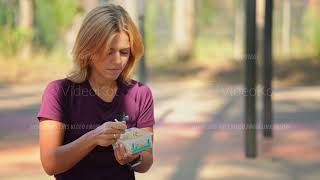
135, 140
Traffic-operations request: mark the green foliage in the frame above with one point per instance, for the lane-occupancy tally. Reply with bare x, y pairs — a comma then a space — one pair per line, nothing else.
12, 39
158, 21
150, 15
8, 12
51, 19
11, 36
206, 12
312, 24
317, 36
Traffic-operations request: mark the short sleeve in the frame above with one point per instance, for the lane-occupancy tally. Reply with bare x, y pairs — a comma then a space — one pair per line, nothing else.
146, 114
53, 102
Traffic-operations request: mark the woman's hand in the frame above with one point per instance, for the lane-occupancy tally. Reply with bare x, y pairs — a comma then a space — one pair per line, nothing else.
122, 155
108, 133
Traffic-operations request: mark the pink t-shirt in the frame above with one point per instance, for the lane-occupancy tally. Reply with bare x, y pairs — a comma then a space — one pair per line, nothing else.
77, 106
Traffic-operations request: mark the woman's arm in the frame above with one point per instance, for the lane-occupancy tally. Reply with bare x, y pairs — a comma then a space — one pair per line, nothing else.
57, 158
123, 157
147, 157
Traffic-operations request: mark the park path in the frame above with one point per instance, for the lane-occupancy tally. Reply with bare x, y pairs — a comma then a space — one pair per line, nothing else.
198, 133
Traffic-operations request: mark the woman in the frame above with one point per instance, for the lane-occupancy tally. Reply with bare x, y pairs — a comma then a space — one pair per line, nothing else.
77, 127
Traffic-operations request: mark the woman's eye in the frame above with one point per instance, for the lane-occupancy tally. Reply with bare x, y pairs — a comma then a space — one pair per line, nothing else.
125, 53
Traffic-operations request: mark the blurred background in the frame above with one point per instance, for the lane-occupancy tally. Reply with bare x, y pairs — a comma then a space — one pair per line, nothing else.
195, 65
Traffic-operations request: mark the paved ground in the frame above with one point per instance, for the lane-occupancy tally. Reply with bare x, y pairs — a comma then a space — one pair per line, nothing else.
198, 134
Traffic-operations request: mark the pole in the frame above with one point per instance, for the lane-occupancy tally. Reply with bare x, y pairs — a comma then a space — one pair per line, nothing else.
267, 71
250, 79
142, 72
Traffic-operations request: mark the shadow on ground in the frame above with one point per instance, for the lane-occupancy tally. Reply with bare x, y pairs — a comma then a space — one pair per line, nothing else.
287, 72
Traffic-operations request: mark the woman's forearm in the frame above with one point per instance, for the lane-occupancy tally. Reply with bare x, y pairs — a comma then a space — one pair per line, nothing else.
146, 163
65, 157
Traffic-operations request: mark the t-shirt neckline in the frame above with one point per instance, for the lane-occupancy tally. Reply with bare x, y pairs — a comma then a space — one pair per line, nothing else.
101, 101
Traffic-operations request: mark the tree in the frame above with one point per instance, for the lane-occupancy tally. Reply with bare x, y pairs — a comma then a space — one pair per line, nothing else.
184, 31
238, 30
25, 25
286, 24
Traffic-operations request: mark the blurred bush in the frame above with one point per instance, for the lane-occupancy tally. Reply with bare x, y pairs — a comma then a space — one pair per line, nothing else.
50, 19
312, 21
317, 35
11, 36
158, 31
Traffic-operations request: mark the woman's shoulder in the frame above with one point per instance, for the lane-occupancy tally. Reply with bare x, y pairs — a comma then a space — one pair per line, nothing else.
60, 85
138, 90
138, 87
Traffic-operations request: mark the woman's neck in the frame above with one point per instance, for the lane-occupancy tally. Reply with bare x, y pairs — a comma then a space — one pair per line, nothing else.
100, 82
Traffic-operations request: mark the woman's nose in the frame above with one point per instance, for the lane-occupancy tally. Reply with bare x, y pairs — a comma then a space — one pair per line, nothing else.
117, 58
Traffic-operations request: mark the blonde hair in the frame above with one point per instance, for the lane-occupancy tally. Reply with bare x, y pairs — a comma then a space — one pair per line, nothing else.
96, 33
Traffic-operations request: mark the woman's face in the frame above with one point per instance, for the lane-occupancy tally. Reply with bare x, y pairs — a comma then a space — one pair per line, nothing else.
113, 61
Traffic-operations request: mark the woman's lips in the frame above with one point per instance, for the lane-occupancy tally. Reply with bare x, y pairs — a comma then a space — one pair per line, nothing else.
114, 70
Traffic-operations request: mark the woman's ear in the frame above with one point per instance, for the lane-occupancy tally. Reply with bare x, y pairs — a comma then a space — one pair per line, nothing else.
91, 59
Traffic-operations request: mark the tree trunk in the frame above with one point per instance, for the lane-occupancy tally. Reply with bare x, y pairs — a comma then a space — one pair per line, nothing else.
238, 30
286, 27
25, 24
184, 29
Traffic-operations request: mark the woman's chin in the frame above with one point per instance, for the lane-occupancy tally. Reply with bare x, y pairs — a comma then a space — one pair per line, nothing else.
111, 77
